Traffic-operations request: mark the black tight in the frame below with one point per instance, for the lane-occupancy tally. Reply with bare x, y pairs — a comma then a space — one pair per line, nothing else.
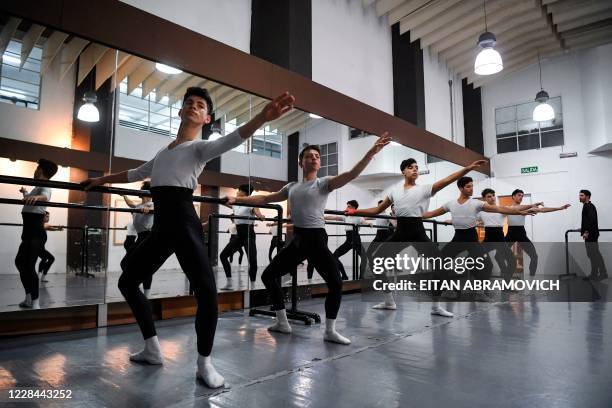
598, 266
146, 283
494, 240
274, 244
240, 252
410, 232
245, 238
176, 229
519, 235
353, 241
46, 260
467, 240
33, 240
308, 243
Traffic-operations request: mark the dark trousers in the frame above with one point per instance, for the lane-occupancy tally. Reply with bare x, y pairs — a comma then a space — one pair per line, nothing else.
146, 283
46, 260
467, 240
177, 229
311, 244
495, 241
274, 243
245, 238
410, 232
353, 241
240, 252
33, 238
598, 266
519, 235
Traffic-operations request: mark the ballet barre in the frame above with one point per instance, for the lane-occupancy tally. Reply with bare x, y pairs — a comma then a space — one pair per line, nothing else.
567, 273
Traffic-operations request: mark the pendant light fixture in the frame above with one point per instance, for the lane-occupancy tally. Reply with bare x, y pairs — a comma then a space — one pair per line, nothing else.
88, 112
543, 111
488, 61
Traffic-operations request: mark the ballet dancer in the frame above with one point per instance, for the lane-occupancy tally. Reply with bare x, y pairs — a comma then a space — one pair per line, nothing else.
33, 235
307, 200
177, 227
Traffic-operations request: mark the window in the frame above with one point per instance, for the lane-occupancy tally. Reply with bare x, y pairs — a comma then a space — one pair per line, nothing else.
267, 143
515, 129
357, 133
433, 159
146, 114
329, 160
20, 87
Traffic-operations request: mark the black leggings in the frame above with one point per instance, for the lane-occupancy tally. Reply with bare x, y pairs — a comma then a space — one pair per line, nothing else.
33, 240
519, 235
244, 239
410, 232
240, 252
467, 240
177, 229
146, 283
494, 240
308, 243
353, 240
382, 235
46, 260
274, 243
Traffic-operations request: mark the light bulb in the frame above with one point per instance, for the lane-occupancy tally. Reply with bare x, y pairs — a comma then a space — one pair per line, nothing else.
543, 112
488, 62
167, 69
88, 113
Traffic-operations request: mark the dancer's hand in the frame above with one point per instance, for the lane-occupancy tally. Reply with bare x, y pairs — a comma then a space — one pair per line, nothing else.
277, 107
565, 206
381, 142
529, 211
230, 200
22, 190
477, 164
146, 210
31, 200
538, 204
585, 236
91, 183
350, 211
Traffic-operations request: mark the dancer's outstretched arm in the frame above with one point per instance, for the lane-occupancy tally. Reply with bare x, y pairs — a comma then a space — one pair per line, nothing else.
440, 184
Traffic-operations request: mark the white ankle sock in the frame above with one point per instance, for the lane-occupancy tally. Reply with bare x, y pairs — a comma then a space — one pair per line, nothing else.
151, 353
27, 302
436, 309
35, 304
388, 304
282, 324
332, 335
207, 373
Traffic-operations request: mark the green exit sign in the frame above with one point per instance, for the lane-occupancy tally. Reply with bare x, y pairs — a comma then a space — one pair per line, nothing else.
530, 169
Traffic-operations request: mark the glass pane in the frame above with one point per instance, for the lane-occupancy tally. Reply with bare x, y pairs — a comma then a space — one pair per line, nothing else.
323, 161
322, 172
556, 105
529, 142
332, 171
506, 145
506, 129
554, 138
505, 114
525, 110
527, 126
332, 147
333, 159
323, 149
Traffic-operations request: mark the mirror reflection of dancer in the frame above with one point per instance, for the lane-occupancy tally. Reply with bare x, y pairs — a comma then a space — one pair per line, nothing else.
517, 233
245, 238
177, 227
589, 230
276, 241
384, 230
307, 200
33, 235
411, 202
142, 223
46, 257
233, 231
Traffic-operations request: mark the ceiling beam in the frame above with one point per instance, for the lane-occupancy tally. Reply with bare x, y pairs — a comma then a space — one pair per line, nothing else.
152, 82
29, 41
428, 11
404, 9
144, 70
51, 49
583, 21
70, 53
171, 84
8, 31
459, 13
88, 59
579, 12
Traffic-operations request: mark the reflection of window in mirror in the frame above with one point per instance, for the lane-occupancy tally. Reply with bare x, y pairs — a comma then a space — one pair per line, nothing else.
20, 83
329, 160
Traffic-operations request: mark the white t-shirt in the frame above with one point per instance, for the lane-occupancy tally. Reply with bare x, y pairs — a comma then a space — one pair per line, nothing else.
351, 219
143, 222
516, 220
491, 219
232, 229
464, 215
181, 166
131, 230
307, 200
411, 202
37, 209
242, 212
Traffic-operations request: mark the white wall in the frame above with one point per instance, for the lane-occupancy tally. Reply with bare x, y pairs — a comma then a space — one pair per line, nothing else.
227, 21
51, 124
558, 180
351, 51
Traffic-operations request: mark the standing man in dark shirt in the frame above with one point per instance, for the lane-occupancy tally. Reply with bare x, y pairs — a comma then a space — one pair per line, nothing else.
590, 233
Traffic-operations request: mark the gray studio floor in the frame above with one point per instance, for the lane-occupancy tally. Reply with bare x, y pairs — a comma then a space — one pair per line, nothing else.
506, 354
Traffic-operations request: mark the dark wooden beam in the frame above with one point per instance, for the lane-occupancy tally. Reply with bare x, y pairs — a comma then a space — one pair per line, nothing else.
28, 151
118, 25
